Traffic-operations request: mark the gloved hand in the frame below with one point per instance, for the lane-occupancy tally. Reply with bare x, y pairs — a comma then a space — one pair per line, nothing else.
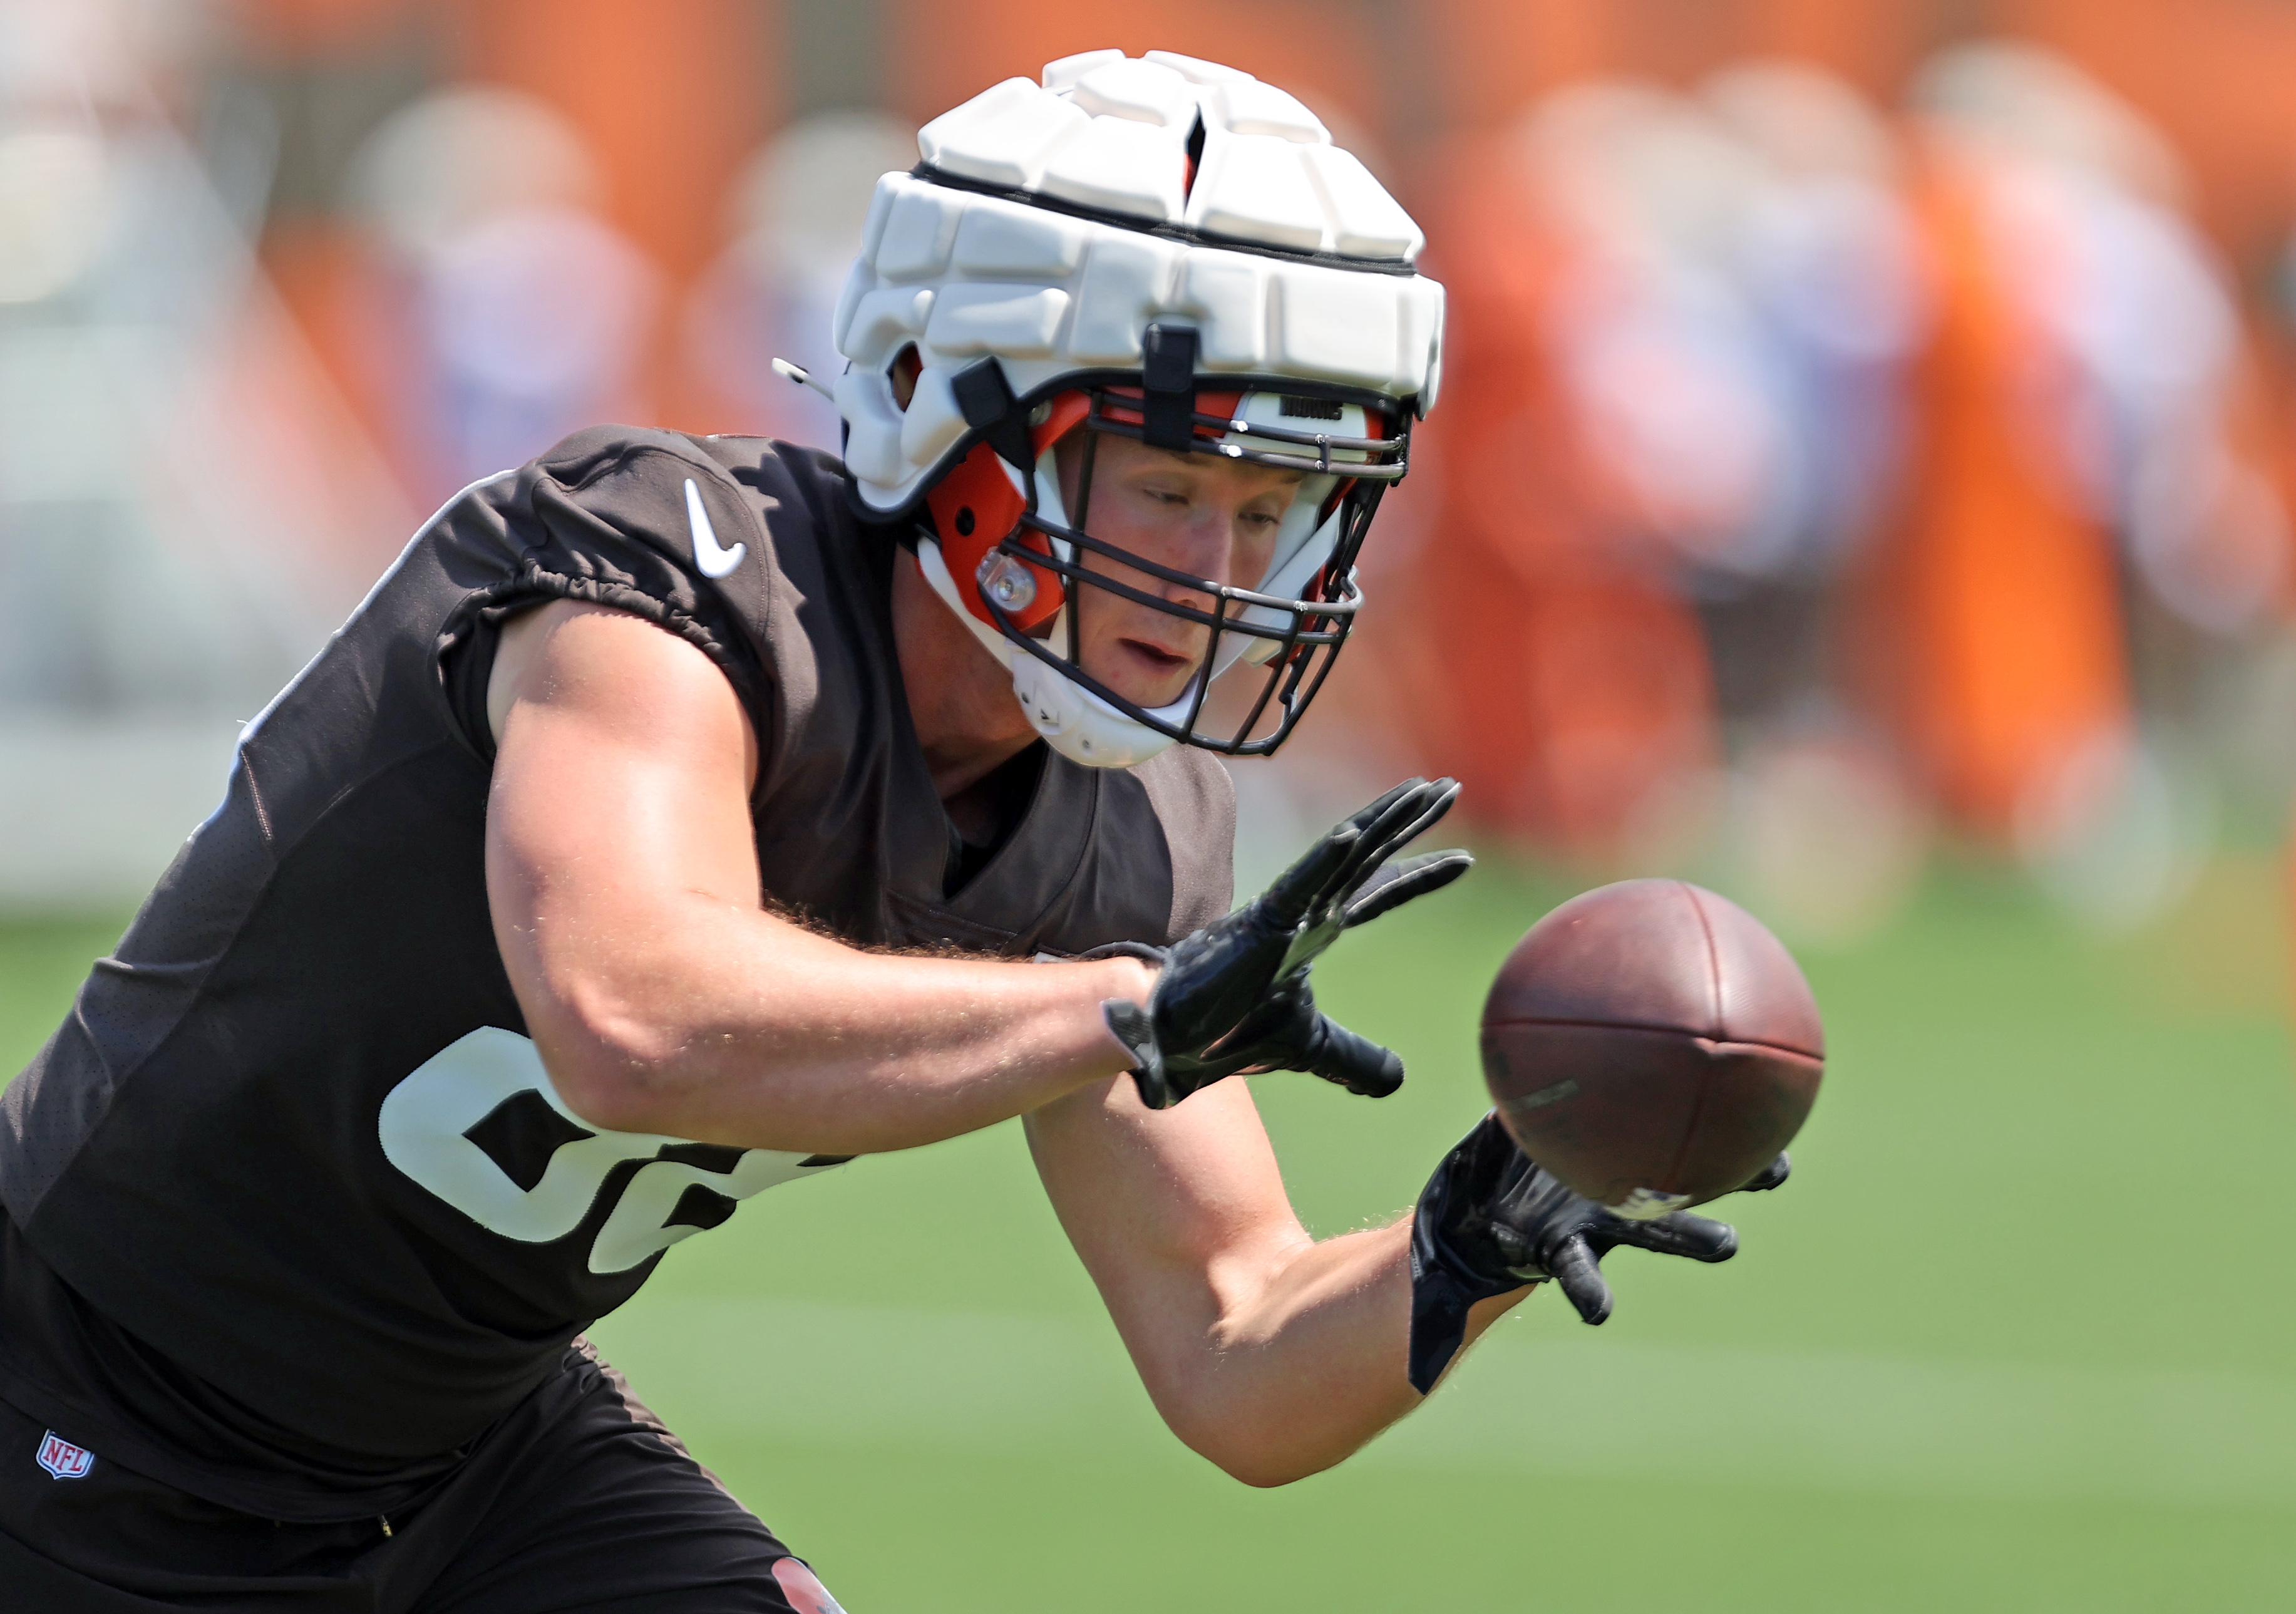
1233, 996
1490, 1221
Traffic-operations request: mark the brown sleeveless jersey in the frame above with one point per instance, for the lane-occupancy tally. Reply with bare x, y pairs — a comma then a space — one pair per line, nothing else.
292, 1140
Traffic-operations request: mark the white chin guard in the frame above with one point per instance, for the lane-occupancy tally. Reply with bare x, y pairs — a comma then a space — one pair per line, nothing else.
1075, 722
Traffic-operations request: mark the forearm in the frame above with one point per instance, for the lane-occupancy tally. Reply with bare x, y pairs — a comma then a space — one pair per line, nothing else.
732, 1026
1305, 1363
1271, 1355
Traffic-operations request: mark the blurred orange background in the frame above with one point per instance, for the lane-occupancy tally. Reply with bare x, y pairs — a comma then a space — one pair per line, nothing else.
1866, 426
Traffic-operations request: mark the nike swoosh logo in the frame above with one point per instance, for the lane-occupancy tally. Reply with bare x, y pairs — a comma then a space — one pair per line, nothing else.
713, 561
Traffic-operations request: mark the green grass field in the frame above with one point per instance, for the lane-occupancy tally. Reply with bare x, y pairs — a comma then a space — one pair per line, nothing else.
2019, 1336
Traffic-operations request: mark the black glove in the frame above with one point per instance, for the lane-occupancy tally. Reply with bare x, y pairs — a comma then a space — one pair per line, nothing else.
1287, 1032
1490, 1221
1233, 996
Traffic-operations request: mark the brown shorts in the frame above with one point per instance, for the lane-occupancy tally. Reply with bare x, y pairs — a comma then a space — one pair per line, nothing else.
577, 1500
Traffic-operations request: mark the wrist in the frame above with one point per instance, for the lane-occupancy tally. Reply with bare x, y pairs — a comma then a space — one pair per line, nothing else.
1121, 980
1130, 978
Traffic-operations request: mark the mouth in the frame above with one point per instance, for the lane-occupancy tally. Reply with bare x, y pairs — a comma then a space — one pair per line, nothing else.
1151, 672
1155, 657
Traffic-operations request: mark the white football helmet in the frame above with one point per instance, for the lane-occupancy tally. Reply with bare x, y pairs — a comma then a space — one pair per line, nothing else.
1160, 248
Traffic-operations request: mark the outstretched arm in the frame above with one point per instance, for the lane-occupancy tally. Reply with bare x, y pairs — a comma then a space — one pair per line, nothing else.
1276, 1357
1270, 1353
662, 997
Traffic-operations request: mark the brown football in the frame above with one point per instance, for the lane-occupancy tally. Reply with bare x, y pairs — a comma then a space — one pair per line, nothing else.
1650, 1044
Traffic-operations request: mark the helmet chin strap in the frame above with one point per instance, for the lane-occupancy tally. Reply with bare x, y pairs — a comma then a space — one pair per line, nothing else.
1074, 721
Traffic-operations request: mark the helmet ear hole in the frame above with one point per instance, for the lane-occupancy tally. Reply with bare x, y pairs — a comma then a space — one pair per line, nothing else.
902, 374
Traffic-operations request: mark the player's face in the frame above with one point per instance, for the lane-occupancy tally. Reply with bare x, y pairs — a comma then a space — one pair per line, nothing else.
1215, 519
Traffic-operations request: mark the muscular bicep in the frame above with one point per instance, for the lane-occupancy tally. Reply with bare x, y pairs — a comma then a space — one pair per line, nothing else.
621, 798
1180, 1215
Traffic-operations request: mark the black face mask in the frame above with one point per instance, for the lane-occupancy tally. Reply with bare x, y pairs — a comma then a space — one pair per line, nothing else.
1036, 582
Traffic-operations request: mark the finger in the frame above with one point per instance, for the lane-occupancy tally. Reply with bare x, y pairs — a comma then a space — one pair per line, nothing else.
1305, 900
1323, 867
1292, 893
1434, 803
1392, 885
1572, 1264
1362, 818
1410, 812
1768, 1177
1680, 1234
1409, 819
1375, 829
1358, 1064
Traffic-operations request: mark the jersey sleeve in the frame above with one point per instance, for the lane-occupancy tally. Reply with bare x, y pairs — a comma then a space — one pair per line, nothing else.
642, 521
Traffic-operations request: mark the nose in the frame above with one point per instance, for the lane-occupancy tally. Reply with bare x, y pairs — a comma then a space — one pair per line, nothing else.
1207, 549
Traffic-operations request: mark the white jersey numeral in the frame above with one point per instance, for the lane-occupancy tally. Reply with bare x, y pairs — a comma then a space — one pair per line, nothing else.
425, 1127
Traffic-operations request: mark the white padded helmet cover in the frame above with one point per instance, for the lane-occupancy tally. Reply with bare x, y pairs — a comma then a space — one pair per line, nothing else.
959, 274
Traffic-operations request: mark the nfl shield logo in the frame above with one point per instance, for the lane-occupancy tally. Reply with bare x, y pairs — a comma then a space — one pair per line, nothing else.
64, 1459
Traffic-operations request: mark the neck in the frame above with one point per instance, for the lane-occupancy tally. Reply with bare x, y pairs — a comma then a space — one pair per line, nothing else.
961, 699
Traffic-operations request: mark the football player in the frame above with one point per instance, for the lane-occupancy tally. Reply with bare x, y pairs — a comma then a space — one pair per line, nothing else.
683, 815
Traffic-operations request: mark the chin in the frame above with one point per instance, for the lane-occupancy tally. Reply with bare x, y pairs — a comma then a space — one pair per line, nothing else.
1163, 692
